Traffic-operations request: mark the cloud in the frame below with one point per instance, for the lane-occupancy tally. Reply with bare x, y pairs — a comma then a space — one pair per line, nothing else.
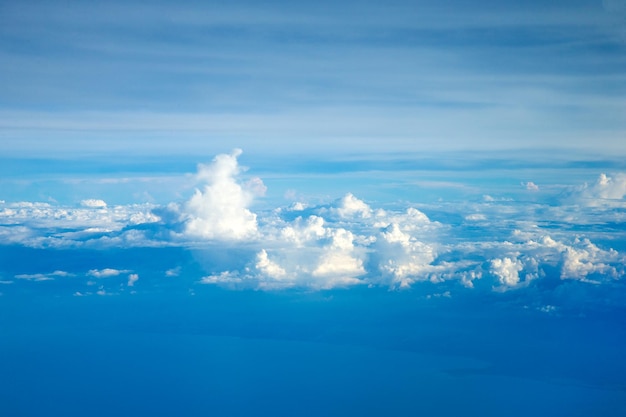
269, 268
106, 272
586, 259
476, 217
350, 206
132, 278
43, 277
530, 186
339, 265
607, 188
303, 231
219, 209
224, 278
494, 243
173, 272
507, 270
606, 191
401, 258
92, 203
39, 224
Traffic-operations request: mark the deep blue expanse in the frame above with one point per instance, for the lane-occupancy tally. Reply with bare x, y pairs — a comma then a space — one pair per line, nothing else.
367, 351
335, 353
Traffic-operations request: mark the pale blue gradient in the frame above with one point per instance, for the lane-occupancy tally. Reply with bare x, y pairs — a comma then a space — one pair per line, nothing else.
293, 78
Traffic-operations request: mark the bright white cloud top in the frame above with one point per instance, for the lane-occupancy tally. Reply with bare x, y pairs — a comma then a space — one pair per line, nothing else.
220, 210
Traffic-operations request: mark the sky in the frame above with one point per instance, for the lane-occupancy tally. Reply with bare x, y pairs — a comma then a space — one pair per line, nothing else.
312, 208
315, 78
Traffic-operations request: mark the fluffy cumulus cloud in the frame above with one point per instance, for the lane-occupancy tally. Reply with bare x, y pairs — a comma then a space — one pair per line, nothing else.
507, 270
582, 259
343, 245
219, 208
607, 189
402, 258
505, 244
350, 206
93, 203
338, 264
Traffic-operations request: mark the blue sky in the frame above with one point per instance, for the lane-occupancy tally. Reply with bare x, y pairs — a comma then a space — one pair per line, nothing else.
298, 77
312, 208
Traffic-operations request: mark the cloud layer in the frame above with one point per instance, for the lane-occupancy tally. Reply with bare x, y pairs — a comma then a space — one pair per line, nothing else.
497, 242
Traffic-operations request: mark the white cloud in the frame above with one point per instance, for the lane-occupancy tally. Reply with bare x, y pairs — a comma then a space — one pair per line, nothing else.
350, 206
348, 242
173, 272
132, 278
43, 277
531, 186
219, 210
507, 270
106, 272
610, 187
298, 206
339, 265
269, 268
412, 220
606, 190
31, 223
93, 203
226, 277
585, 259
547, 308
401, 258
303, 231
474, 217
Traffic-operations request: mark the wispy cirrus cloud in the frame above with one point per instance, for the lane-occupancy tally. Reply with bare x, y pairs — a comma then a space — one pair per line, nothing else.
43, 277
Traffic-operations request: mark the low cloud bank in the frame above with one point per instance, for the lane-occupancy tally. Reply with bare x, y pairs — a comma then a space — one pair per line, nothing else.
344, 243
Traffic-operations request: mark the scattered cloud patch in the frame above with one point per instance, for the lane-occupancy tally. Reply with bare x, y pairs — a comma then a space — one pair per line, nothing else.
530, 186
173, 272
132, 278
475, 217
224, 278
43, 277
105, 273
